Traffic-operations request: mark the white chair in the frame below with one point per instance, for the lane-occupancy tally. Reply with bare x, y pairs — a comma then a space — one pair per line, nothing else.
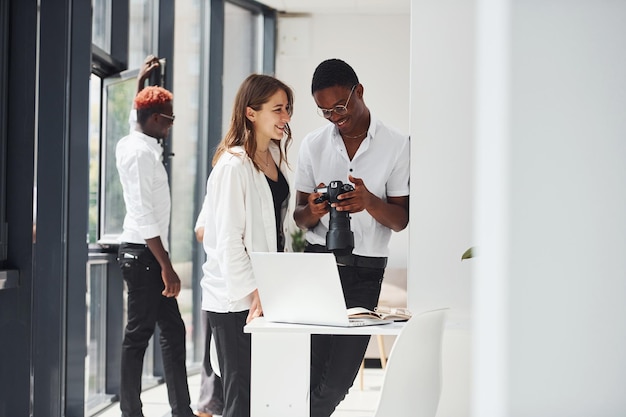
412, 382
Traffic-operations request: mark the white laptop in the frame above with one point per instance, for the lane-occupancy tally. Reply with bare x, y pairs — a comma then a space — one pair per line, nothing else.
303, 288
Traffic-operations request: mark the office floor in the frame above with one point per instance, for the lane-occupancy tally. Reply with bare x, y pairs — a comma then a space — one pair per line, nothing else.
358, 403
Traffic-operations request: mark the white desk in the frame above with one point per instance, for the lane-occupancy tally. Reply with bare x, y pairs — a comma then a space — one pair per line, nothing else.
281, 359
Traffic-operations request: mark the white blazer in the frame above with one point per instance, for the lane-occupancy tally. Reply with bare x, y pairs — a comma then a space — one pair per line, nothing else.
239, 217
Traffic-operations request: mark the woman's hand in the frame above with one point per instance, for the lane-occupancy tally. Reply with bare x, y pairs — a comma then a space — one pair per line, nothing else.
256, 310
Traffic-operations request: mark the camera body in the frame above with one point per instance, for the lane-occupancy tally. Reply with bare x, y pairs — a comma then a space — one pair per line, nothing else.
339, 238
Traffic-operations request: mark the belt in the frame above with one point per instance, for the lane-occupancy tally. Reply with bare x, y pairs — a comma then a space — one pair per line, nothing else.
350, 260
134, 245
362, 261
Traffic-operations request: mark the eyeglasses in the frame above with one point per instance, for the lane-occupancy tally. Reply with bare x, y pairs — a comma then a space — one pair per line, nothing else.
167, 116
340, 110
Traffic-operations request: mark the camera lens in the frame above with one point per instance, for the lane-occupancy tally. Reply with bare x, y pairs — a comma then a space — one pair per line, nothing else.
339, 238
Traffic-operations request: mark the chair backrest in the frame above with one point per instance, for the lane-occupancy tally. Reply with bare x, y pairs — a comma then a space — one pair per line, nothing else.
412, 382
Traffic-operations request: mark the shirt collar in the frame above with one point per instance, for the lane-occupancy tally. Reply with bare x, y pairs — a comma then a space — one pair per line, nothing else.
371, 131
151, 141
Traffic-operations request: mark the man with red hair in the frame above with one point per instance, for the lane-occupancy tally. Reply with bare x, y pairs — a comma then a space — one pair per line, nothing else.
144, 260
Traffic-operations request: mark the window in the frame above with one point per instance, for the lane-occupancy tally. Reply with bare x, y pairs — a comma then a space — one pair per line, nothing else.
118, 94
95, 361
101, 24
95, 109
242, 51
185, 135
106, 202
106, 211
142, 35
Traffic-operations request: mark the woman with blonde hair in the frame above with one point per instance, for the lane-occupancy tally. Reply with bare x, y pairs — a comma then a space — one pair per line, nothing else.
245, 210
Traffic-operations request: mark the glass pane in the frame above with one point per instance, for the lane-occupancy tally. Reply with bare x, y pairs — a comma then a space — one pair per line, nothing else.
101, 24
185, 133
241, 48
141, 33
95, 110
118, 96
95, 366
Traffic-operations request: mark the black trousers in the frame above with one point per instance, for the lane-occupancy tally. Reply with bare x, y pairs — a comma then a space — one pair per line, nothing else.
211, 399
233, 351
147, 308
336, 359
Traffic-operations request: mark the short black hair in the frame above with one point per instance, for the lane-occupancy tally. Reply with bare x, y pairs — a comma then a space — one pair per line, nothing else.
144, 114
333, 72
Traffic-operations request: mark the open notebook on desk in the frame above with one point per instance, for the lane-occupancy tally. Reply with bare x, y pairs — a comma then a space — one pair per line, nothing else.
303, 288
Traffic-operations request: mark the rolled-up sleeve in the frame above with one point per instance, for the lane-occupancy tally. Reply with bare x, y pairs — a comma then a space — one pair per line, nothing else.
398, 182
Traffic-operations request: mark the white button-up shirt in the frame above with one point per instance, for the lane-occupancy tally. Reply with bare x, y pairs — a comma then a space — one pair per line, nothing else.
146, 189
382, 161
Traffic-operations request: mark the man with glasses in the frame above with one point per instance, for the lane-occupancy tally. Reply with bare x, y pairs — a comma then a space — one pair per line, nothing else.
143, 256
355, 148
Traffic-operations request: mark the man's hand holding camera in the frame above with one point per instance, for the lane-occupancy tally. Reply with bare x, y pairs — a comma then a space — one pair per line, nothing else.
318, 208
339, 238
354, 201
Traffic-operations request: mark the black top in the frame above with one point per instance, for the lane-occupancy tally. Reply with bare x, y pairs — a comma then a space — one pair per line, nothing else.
280, 191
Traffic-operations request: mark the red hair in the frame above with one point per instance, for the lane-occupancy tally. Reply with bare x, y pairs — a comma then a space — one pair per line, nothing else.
152, 96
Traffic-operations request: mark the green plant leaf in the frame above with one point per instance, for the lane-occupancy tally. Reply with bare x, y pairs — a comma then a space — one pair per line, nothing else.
469, 253
297, 240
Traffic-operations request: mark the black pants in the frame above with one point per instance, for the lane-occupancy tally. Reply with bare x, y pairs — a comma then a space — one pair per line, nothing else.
147, 308
336, 359
211, 400
233, 351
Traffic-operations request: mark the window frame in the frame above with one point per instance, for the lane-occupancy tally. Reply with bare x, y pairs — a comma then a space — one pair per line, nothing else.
4, 54
103, 236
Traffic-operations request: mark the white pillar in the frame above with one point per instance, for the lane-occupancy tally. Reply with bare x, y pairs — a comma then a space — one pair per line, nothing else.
550, 279
518, 118
442, 143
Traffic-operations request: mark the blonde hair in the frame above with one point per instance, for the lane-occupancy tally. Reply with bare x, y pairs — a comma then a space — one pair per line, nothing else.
255, 91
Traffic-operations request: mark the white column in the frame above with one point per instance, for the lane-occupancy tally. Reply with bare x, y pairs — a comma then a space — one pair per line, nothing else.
550, 279
533, 145
442, 143
492, 207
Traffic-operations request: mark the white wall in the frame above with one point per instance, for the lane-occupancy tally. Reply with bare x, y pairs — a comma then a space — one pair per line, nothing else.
376, 46
548, 318
554, 272
442, 124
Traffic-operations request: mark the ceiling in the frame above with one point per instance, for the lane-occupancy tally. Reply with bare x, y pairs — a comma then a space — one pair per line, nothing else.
340, 6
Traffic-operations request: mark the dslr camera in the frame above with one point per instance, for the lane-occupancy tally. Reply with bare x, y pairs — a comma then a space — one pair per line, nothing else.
339, 238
